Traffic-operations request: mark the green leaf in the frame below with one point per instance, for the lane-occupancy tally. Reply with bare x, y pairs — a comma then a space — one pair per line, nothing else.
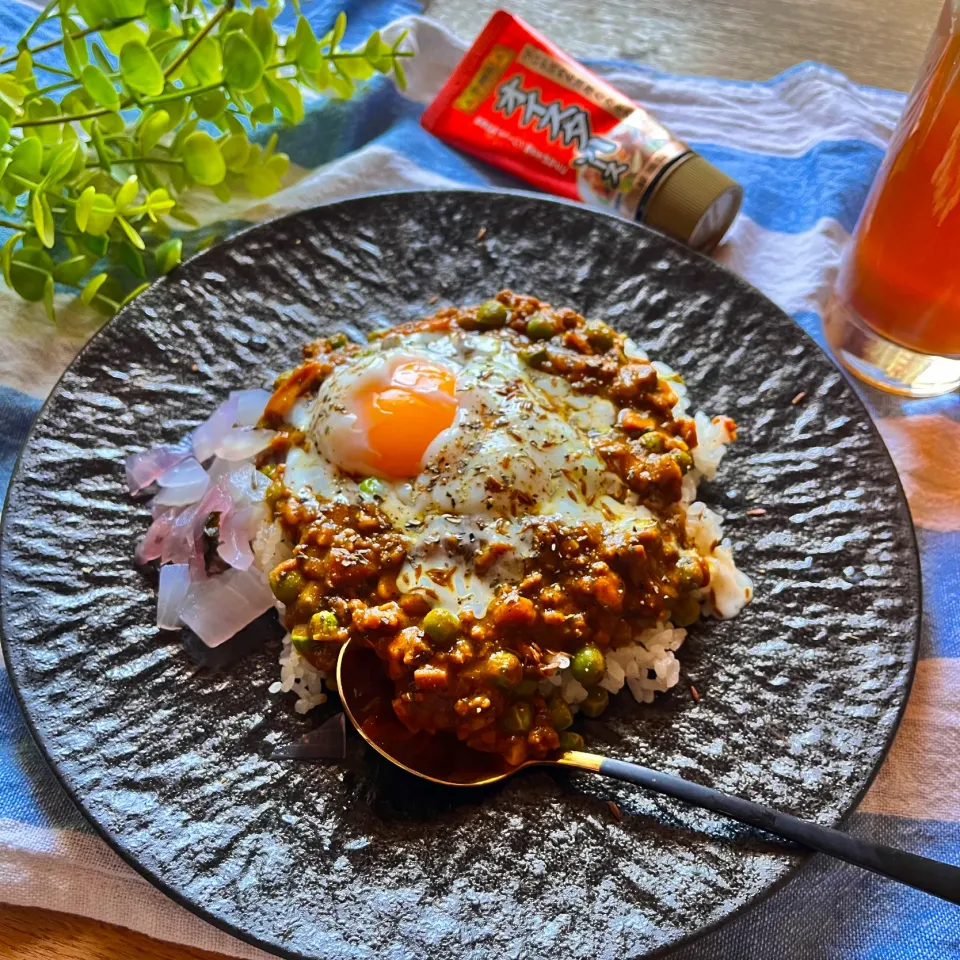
132, 259
84, 207
5, 254
100, 55
91, 287
48, 298
42, 218
100, 145
373, 48
203, 159
340, 84
101, 215
177, 110
119, 37
222, 192
11, 93
26, 159
306, 50
181, 215
210, 105
112, 123
263, 34
339, 29
263, 114
4, 132
98, 246
158, 14
23, 71
75, 52
242, 63
30, 269
43, 108
285, 96
152, 128
72, 271
206, 61
133, 294
357, 68
61, 162
126, 194
132, 234
140, 69
159, 203
100, 88
235, 150
399, 75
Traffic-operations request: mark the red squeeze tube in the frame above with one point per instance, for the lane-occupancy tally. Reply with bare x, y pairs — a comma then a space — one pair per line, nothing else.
521, 104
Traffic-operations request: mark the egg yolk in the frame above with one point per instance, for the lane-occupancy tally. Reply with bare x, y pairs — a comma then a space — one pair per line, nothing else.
404, 417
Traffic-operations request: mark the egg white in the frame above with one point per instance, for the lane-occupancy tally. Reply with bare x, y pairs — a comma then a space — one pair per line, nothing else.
519, 447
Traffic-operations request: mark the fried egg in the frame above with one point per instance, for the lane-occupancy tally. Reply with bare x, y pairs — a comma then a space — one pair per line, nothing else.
466, 442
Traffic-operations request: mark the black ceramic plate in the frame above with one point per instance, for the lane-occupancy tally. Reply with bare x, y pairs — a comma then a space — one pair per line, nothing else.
800, 695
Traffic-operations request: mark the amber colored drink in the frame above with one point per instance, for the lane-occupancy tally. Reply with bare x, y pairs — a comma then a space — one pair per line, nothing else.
902, 275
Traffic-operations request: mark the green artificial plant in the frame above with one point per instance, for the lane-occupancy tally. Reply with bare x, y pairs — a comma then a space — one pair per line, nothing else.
157, 98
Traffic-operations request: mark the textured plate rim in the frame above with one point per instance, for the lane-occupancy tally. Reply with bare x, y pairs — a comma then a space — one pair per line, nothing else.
710, 266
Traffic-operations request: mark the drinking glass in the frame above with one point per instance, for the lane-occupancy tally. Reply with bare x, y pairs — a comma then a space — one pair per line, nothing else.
894, 317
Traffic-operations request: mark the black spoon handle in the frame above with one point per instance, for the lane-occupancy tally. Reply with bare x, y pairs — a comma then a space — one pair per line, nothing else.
931, 876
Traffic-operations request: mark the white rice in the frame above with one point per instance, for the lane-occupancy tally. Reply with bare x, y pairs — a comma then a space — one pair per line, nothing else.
646, 666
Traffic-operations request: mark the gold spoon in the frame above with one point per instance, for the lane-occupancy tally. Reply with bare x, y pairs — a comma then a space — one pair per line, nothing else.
367, 693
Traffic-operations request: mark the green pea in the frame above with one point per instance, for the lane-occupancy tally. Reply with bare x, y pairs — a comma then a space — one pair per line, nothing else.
371, 487
684, 460
540, 327
491, 314
268, 470
275, 492
282, 378
518, 717
300, 638
571, 741
651, 441
286, 584
526, 688
534, 358
685, 611
600, 336
505, 668
589, 666
597, 700
323, 624
441, 626
689, 572
560, 714
337, 341
309, 600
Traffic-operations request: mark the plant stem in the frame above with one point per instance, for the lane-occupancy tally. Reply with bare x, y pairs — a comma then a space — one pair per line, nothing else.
191, 46
184, 92
43, 17
57, 70
10, 225
79, 35
54, 86
122, 160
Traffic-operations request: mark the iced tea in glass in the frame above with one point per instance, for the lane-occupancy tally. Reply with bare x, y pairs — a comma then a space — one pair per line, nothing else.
894, 319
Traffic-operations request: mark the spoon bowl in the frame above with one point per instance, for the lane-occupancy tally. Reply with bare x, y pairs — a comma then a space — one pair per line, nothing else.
367, 695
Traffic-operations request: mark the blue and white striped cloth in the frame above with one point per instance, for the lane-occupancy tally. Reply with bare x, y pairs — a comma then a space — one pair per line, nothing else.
806, 146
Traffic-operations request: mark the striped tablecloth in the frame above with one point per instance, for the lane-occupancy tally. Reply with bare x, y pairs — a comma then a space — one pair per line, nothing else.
806, 146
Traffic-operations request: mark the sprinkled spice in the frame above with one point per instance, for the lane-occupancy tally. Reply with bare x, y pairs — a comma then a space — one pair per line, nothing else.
481, 233
615, 810
694, 693
756, 512
798, 397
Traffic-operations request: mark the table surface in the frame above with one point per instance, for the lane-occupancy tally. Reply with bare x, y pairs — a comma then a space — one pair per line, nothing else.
878, 42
